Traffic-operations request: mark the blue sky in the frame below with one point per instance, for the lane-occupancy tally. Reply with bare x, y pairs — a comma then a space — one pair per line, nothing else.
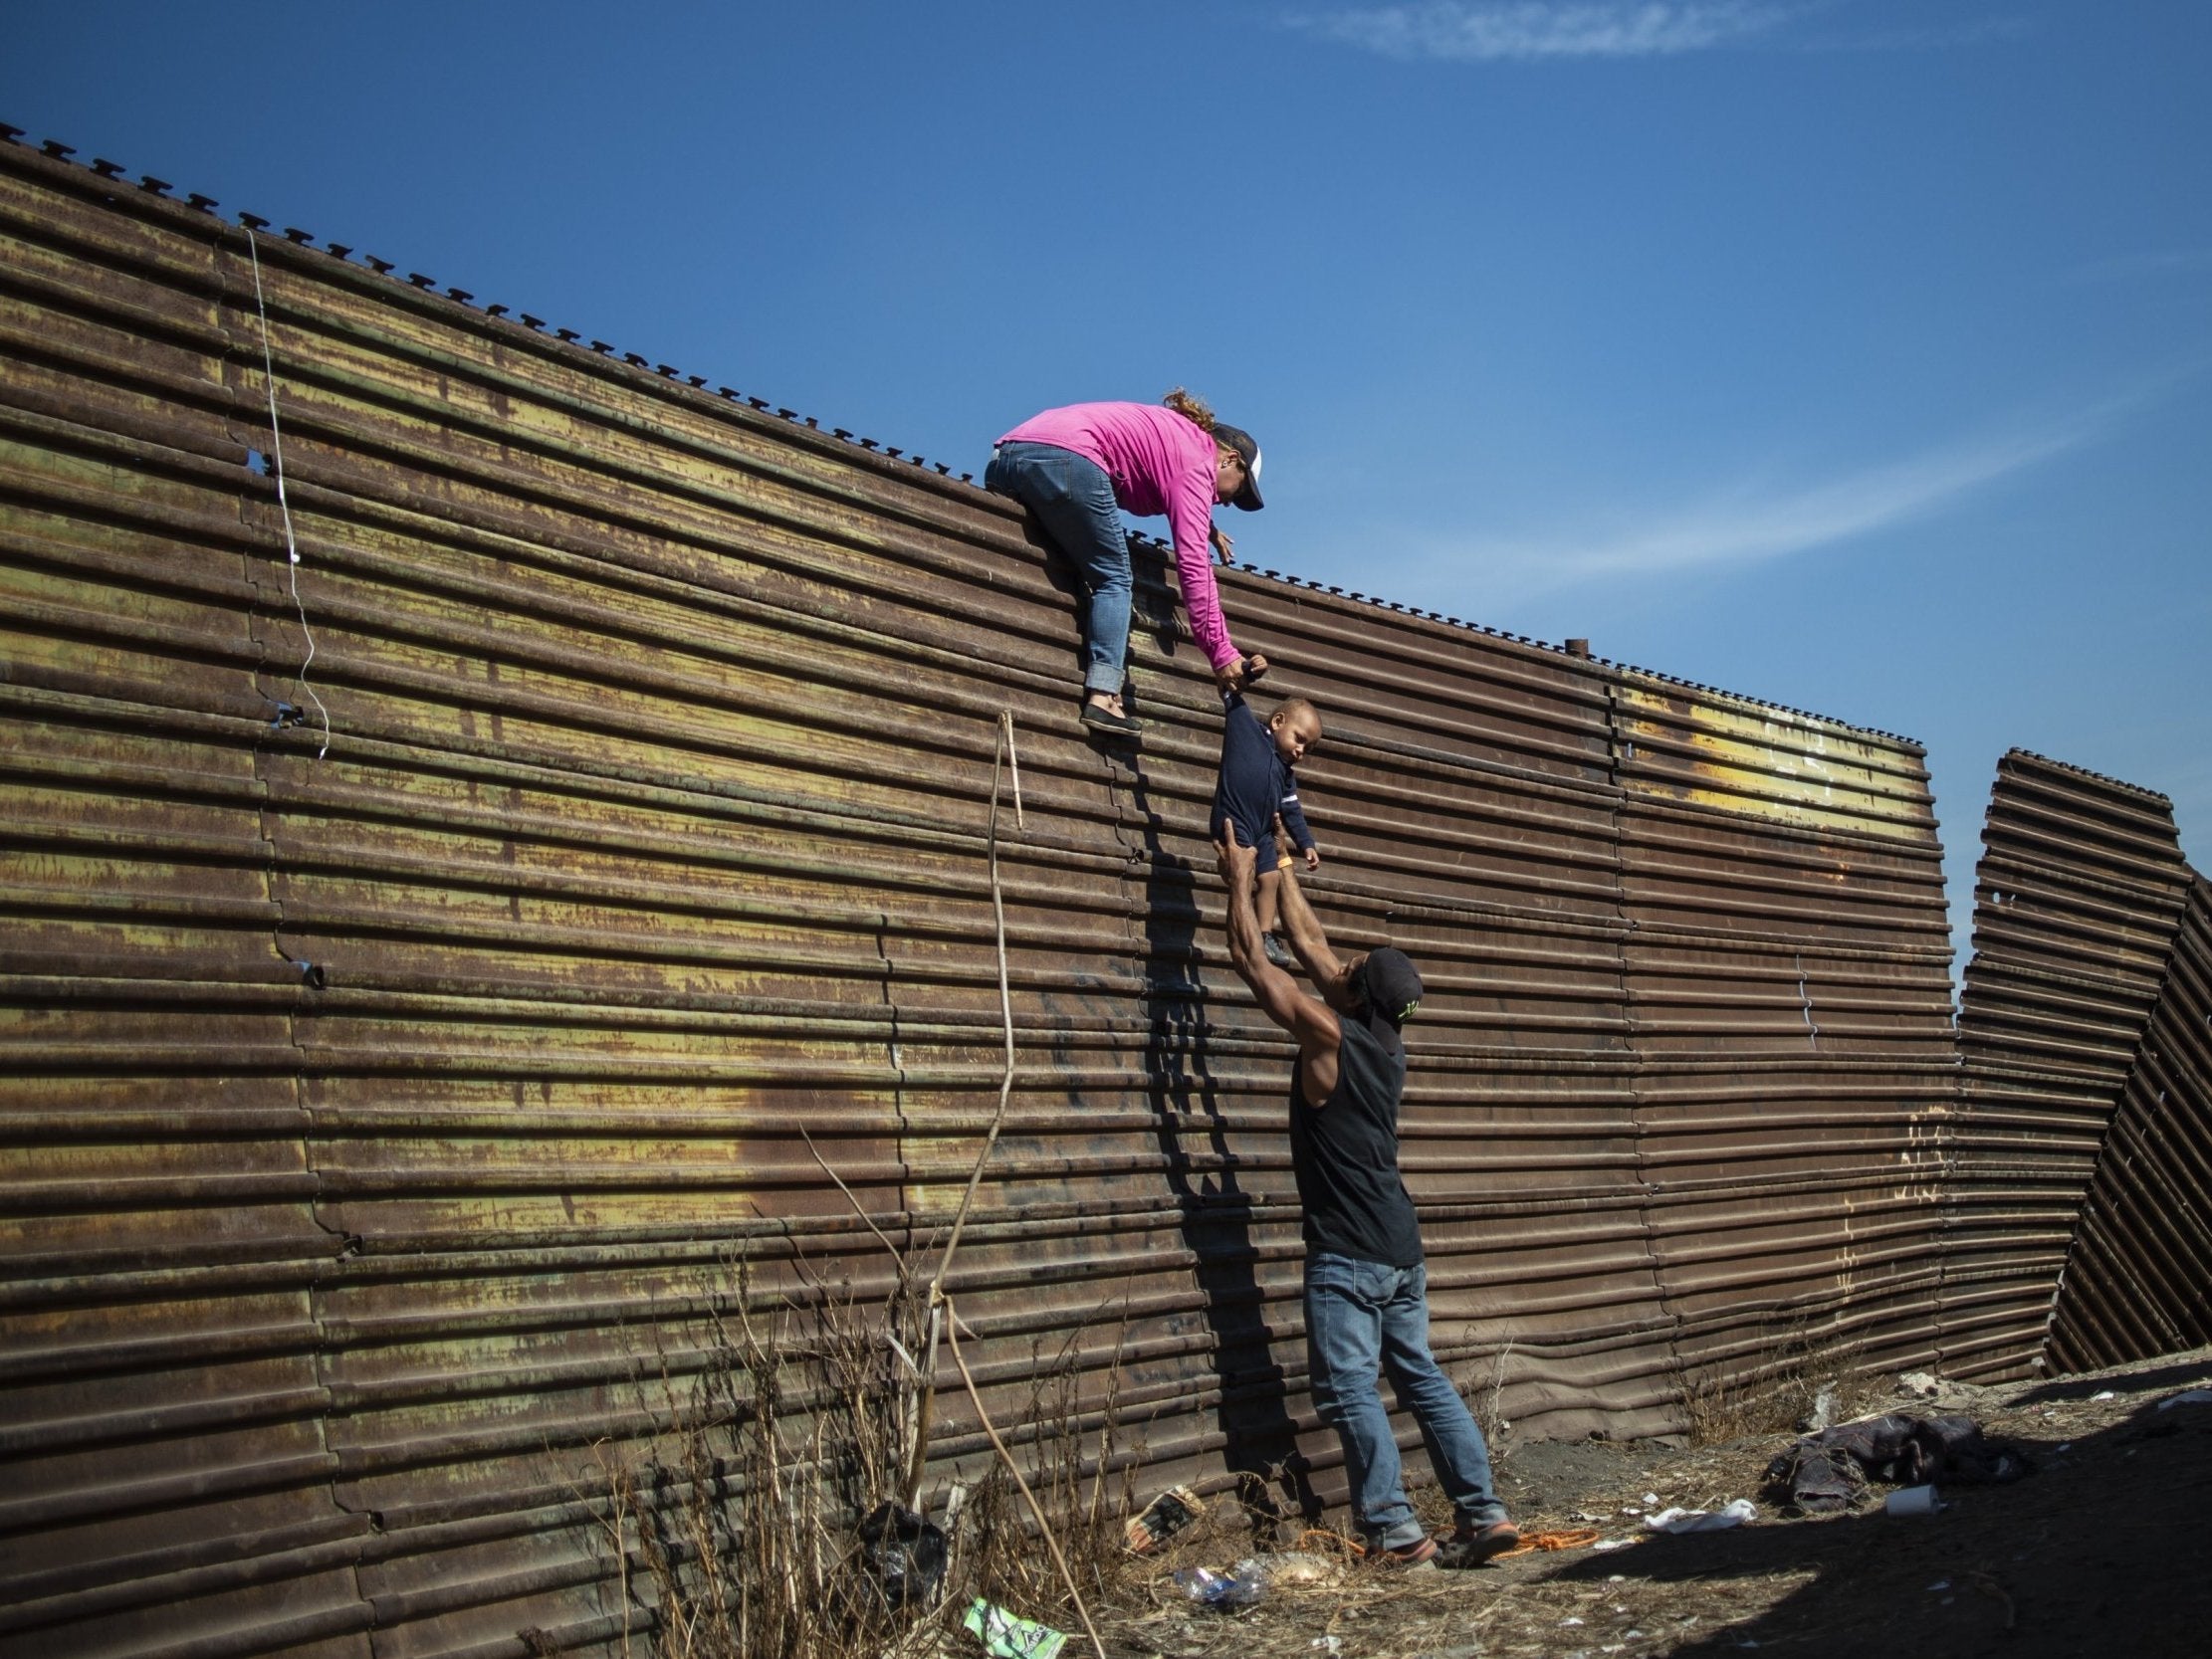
1851, 354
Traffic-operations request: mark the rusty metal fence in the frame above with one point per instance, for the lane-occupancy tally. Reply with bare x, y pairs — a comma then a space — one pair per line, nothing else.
2136, 1285
2076, 902
2086, 1118
396, 1048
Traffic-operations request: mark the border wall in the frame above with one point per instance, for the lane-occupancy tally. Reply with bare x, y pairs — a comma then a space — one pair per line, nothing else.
2086, 1125
380, 1104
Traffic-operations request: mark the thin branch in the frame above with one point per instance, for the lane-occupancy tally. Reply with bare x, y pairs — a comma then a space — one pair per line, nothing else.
1014, 763
952, 1340
898, 1260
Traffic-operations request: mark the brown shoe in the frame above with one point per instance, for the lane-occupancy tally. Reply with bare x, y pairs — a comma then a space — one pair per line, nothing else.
1472, 1545
1421, 1552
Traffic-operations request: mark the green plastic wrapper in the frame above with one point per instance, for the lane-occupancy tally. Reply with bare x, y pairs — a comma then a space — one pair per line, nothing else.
1006, 1637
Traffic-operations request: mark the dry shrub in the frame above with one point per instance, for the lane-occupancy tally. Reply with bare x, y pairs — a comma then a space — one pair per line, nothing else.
735, 1532
1780, 1393
1486, 1402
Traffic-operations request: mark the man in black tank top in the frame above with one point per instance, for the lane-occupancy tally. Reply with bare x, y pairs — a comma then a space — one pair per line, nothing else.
1367, 1290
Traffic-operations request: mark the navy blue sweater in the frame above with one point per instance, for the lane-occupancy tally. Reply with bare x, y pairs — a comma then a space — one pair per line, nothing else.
1256, 783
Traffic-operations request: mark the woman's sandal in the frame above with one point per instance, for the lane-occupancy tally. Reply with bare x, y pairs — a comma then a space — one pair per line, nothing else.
1102, 718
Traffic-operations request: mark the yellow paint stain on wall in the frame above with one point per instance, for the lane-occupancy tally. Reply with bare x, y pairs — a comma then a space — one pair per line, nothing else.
1741, 757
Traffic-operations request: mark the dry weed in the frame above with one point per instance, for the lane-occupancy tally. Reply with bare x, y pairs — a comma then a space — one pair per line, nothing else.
1486, 1402
735, 1532
1810, 1373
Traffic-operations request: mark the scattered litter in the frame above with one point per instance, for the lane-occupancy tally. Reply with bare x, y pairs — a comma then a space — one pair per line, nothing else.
1239, 1587
1650, 1498
1163, 1517
1825, 1404
1569, 1621
1578, 1515
1617, 1578
1939, 1585
1299, 1567
2068, 1445
2107, 1395
1679, 1519
1006, 1637
1826, 1472
1613, 1544
1919, 1384
2188, 1396
1328, 1644
905, 1552
1911, 1499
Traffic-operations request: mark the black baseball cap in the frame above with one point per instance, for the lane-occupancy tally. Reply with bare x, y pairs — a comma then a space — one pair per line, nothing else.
1246, 444
1390, 984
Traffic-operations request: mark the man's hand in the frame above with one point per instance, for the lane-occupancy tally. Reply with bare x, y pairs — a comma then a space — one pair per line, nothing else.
1221, 543
1313, 858
1235, 859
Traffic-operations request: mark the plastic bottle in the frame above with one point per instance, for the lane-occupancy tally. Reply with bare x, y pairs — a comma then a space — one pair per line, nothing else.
1239, 1587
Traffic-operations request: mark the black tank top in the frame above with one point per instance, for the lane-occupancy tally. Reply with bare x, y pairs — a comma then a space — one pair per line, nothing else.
1344, 1154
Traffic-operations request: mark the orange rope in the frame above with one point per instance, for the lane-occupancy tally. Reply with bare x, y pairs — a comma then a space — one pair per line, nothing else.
1579, 1538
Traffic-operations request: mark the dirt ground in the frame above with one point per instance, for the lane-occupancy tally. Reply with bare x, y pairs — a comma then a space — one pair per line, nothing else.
2105, 1548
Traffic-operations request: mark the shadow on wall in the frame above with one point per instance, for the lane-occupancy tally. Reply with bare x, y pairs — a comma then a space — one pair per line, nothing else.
1251, 1409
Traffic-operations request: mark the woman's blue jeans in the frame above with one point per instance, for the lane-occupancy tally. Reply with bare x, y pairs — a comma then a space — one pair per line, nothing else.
1361, 1316
1073, 501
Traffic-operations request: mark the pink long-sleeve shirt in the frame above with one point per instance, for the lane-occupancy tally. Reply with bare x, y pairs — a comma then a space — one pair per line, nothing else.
1159, 461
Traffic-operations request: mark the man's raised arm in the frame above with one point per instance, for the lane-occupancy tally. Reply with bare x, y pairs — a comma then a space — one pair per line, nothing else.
1277, 993
1303, 930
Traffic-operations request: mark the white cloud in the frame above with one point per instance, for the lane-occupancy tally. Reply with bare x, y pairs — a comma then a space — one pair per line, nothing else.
1491, 30
1462, 32
1754, 524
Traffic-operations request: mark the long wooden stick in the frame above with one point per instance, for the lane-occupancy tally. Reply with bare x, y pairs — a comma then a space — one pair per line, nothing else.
952, 1340
918, 1453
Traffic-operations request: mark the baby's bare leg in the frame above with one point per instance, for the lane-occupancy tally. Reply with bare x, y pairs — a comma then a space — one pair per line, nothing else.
1270, 898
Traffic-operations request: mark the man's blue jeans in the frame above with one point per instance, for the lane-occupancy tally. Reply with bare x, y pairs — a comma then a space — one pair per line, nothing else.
1073, 501
1361, 1315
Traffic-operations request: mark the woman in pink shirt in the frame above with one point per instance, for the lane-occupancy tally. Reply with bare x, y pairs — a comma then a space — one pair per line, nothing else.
1077, 467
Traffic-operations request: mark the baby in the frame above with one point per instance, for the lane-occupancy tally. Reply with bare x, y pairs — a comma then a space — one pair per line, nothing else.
1257, 785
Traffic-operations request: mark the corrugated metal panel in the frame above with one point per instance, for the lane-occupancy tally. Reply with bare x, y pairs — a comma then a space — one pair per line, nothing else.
2077, 899
2136, 1285
1790, 982
374, 1117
